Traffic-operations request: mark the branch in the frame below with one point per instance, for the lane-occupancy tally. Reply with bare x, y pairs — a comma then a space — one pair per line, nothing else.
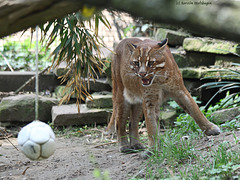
17, 15
30, 80
212, 18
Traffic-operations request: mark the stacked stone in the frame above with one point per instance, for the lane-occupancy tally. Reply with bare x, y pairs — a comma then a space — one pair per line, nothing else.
19, 109
196, 56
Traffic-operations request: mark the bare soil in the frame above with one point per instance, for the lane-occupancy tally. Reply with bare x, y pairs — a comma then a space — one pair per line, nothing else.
78, 157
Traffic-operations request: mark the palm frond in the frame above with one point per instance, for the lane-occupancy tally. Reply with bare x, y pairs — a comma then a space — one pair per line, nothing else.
225, 85
78, 46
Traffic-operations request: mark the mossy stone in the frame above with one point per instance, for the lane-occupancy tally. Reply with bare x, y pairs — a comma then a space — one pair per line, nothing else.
100, 100
209, 73
61, 91
21, 108
180, 59
210, 46
191, 73
226, 60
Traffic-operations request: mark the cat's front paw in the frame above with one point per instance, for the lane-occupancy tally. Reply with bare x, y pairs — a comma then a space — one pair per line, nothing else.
138, 147
131, 149
213, 130
125, 149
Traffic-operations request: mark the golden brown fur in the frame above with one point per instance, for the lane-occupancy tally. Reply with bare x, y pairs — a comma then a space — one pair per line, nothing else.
144, 74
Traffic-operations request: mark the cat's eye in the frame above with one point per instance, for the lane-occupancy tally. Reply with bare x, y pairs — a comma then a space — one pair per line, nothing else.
150, 63
136, 63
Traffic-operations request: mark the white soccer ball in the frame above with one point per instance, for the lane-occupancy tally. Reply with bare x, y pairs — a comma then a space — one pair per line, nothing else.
36, 140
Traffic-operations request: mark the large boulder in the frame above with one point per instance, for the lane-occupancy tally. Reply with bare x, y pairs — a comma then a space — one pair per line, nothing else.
68, 115
180, 59
197, 59
21, 109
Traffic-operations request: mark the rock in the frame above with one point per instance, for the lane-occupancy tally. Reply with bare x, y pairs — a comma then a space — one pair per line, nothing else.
21, 108
61, 91
210, 46
66, 115
100, 100
61, 70
180, 58
192, 86
99, 85
226, 61
168, 117
222, 74
175, 38
209, 73
193, 59
196, 59
11, 81
191, 73
224, 115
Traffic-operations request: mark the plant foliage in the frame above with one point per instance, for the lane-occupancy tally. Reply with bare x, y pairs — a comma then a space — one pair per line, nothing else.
226, 85
78, 46
20, 55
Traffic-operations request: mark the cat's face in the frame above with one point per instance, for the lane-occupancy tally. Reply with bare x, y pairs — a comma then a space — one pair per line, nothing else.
146, 61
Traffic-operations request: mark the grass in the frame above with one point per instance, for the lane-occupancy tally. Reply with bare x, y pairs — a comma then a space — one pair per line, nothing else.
178, 154
183, 151
178, 158
171, 152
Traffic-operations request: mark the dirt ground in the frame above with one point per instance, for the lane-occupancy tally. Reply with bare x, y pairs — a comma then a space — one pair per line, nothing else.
78, 157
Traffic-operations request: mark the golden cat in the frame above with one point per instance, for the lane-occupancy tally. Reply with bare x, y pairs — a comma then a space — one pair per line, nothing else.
144, 75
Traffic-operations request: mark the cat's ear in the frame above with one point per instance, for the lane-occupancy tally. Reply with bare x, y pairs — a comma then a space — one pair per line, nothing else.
163, 43
160, 46
131, 46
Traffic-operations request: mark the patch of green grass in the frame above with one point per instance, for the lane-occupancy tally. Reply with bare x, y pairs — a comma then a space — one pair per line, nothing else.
232, 124
224, 171
171, 151
178, 159
222, 156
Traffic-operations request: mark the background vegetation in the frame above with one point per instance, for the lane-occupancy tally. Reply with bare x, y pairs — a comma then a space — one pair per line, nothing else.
20, 55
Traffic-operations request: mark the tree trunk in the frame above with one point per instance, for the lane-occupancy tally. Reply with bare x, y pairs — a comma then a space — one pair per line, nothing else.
218, 19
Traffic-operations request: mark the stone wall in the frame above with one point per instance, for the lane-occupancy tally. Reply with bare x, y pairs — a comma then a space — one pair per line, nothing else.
200, 58
192, 51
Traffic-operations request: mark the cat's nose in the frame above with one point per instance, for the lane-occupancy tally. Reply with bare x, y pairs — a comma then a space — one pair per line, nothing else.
142, 74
